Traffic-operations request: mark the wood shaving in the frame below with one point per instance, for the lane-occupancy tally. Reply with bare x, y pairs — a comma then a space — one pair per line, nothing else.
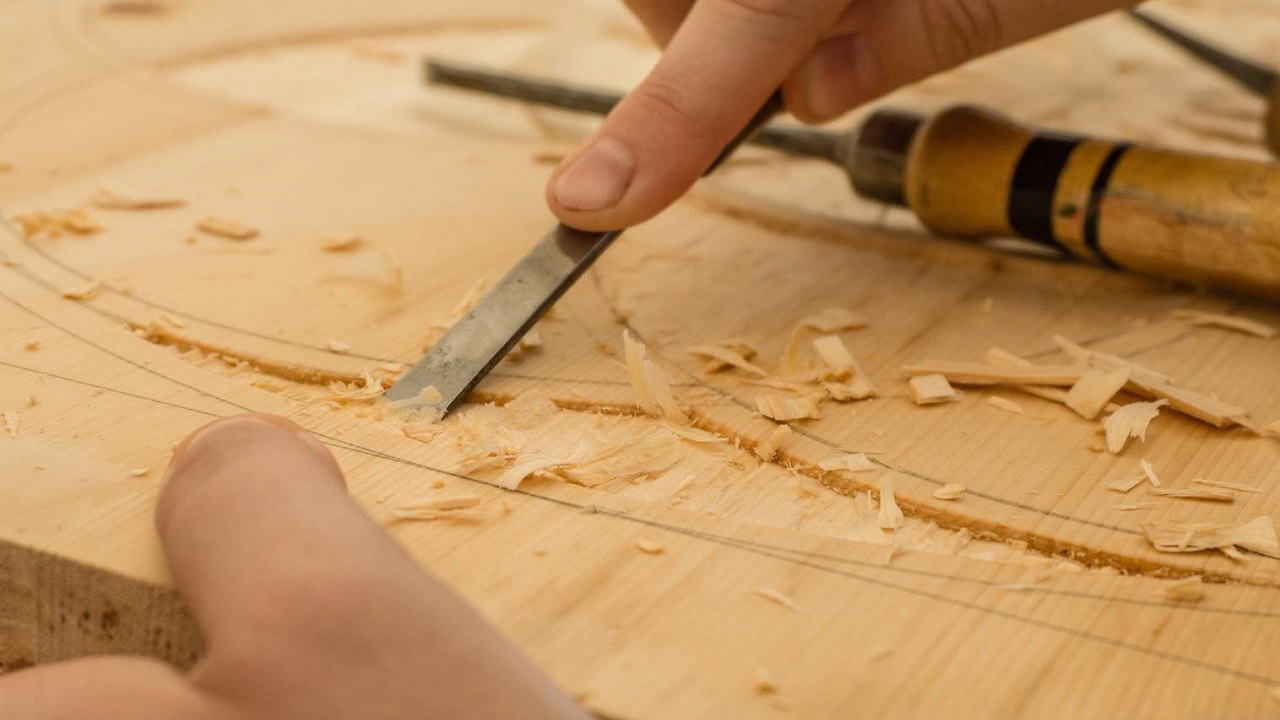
724, 357
652, 386
518, 473
1124, 486
650, 547
11, 423
346, 243
88, 292
1212, 495
831, 349
768, 448
428, 515
853, 462
1239, 487
890, 515
950, 491
338, 347
1003, 358
833, 320
764, 682
1226, 322
455, 502
931, 390
1258, 535
786, 408
229, 229
1095, 390
56, 223
367, 389
115, 199
1133, 506
1130, 421
528, 410
422, 431
139, 472
1007, 405
1149, 472
966, 373
778, 598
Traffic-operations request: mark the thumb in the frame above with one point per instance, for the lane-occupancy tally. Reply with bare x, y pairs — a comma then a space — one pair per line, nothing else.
726, 58
309, 608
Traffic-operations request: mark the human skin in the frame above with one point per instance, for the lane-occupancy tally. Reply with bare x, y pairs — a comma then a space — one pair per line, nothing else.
723, 58
308, 608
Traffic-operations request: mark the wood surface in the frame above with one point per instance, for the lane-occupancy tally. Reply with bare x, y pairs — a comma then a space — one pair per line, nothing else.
307, 119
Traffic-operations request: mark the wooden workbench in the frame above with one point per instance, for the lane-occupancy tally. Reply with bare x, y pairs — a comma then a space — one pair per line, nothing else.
1033, 595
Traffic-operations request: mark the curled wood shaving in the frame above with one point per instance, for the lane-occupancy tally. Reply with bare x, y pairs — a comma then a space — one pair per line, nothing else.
722, 357
1130, 421
1226, 322
1211, 495
1227, 485
367, 389
866, 523
1095, 389
853, 462
778, 598
890, 515
931, 389
518, 473
338, 347
967, 373
1258, 535
652, 386
1007, 405
649, 547
1188, 590
346, 243
768, 448
785, 408
56, 223
229, 229
950, 491
116, 199
422, 431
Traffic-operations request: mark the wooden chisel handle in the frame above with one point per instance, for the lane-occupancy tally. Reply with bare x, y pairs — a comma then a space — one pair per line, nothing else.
970, 172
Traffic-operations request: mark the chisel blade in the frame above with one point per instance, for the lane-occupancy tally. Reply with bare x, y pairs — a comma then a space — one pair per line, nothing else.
456, 363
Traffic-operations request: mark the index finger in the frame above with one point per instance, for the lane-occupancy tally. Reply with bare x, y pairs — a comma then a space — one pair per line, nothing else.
723, 62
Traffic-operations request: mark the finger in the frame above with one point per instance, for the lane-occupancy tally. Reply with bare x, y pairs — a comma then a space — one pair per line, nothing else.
310, 610
726, 58
881, 45
660, 17
100, 688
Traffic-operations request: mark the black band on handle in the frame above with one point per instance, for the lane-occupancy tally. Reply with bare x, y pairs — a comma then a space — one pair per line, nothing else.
1034, 181
1092, 211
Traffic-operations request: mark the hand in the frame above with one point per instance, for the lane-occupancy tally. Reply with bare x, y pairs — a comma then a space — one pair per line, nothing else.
308, 608
723, 58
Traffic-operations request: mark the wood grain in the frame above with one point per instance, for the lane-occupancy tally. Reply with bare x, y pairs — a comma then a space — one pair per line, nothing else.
306, 121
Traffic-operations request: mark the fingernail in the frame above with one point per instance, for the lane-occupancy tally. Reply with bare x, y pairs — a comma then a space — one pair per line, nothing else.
598, 178
839, 76
212, 433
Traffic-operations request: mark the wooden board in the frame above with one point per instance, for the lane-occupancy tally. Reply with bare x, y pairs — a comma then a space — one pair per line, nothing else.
307, 120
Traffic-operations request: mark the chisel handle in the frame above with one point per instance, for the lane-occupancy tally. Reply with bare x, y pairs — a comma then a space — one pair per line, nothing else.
969, 172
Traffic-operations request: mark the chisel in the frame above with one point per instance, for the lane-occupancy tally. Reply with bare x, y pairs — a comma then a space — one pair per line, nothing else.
969, 172
1257, 79
964, 172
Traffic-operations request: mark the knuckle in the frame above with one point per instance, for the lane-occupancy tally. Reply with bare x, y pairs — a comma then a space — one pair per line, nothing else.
956, 30
666, 104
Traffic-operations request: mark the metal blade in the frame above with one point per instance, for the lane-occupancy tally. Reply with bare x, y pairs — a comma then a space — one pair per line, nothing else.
483, 336
1259, 79
477, 342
